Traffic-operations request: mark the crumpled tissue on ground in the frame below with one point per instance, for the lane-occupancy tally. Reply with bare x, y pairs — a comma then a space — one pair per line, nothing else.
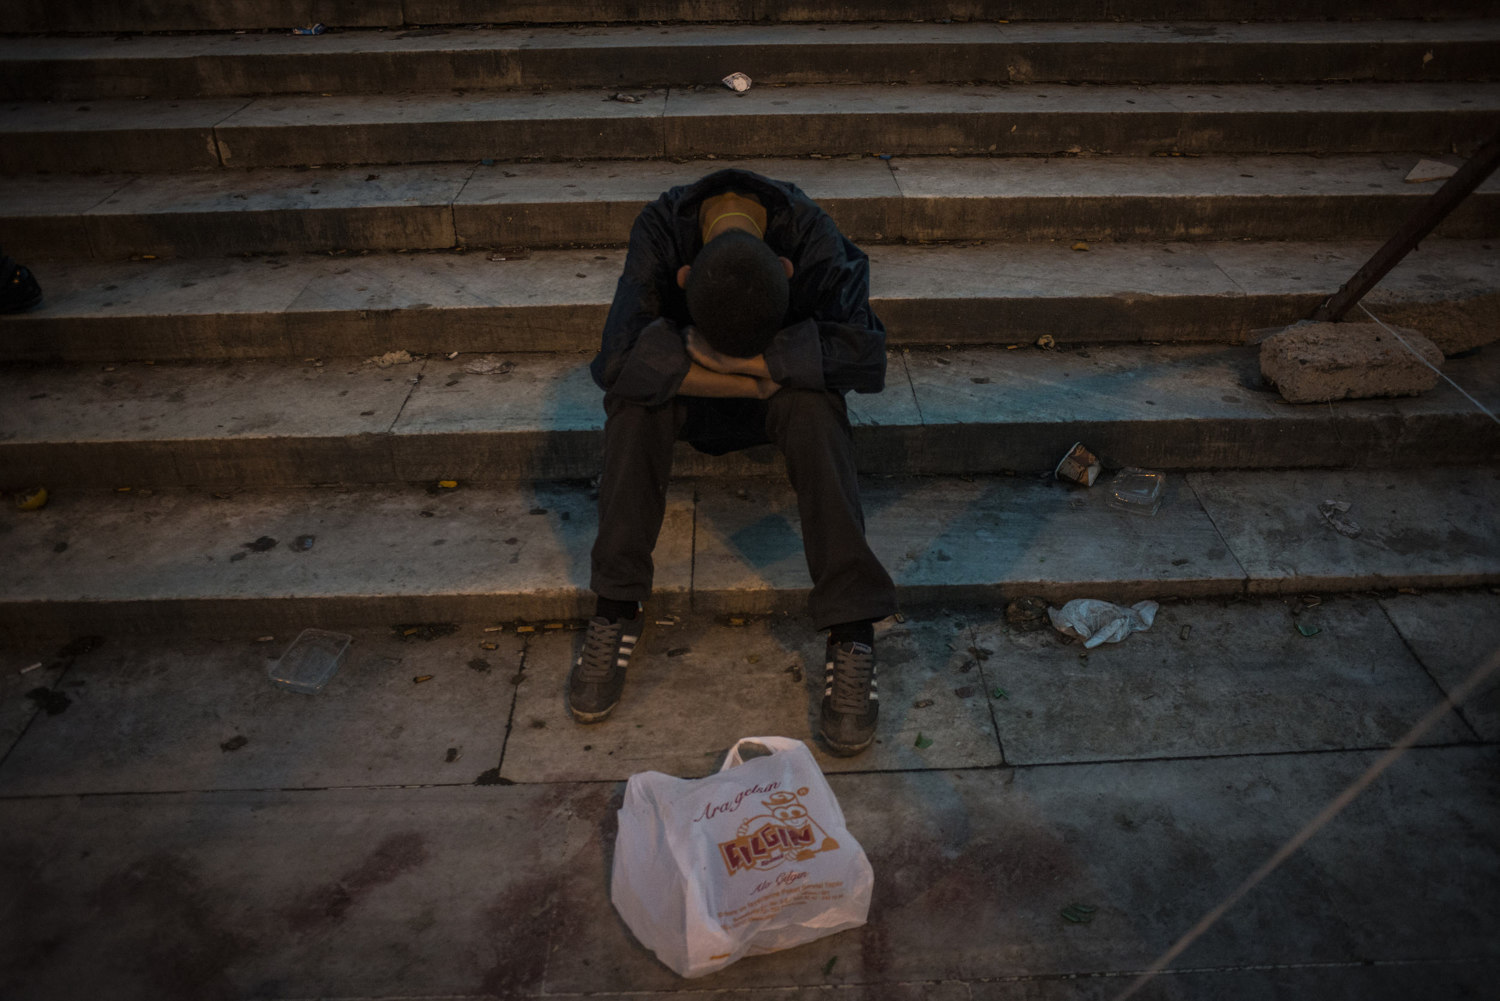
1096, 622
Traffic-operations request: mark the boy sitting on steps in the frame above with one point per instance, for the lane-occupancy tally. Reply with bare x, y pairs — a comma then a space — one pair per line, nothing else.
742, 317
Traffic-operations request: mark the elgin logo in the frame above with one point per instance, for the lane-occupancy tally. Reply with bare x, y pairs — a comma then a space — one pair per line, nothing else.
785, 834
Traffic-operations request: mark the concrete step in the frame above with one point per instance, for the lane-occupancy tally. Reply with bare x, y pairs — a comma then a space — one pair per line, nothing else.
905, 199
169, 15
248, 425
475, 59
210, 133
358, 306
176, 562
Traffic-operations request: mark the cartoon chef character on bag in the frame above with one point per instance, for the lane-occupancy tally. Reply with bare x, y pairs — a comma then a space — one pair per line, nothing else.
787, 832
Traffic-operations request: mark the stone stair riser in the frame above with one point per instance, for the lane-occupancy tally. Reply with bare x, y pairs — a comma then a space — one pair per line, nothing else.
1107, 319
1302, 440
167, 15
115, 236
1012, 133
647, 65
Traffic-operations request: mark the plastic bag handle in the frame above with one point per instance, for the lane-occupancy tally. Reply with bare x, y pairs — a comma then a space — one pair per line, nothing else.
749, 748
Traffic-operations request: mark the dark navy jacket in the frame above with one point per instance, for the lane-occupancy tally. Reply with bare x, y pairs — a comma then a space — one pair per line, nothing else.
831, 339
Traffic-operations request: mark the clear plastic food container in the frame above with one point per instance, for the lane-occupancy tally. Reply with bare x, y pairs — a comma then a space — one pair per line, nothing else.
1138, 491
311, 661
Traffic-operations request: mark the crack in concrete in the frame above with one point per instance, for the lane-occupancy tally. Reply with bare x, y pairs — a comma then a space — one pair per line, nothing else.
216, 145
1228, 546
391, 431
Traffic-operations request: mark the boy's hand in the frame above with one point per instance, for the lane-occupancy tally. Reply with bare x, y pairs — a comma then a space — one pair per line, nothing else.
704, 354
765, 388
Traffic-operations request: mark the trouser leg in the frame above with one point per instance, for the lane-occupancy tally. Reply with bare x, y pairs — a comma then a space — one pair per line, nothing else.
812, 430
632, 496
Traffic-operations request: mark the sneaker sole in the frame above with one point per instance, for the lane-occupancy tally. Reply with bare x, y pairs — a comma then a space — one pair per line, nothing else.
597, 717
845, 750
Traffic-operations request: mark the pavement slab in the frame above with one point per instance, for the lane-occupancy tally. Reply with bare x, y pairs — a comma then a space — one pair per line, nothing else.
1212, 679
201, 714
1452, 634
26, 670
1436, 526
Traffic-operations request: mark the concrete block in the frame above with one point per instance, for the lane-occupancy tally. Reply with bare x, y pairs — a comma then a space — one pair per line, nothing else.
1320, 362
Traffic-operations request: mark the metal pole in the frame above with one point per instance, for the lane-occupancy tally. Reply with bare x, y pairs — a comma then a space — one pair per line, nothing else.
1470, 176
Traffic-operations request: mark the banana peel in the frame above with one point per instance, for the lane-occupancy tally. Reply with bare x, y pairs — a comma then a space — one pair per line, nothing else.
31, 500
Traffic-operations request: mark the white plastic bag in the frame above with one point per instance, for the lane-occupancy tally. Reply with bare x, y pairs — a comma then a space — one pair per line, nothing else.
1096, 622
752, 859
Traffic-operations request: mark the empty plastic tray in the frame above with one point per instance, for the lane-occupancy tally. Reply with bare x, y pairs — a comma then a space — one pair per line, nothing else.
311, 661
1137, 490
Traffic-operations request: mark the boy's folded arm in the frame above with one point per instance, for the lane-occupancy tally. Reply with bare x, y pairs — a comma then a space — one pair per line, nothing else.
652, 370
706, 355
701, 381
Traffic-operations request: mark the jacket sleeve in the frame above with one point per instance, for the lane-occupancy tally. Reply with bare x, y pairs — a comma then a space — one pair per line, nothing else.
642, 357
831, 288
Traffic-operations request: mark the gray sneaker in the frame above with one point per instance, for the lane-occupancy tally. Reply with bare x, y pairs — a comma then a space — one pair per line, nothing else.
851, 703
598, 676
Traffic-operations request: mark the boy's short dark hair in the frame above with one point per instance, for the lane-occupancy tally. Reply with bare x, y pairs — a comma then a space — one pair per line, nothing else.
737, 293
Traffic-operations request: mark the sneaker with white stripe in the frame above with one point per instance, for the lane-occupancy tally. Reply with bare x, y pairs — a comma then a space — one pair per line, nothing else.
598, 676
851, 701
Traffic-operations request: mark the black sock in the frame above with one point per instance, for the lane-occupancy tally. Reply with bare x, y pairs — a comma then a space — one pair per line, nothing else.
614, 611
853, 632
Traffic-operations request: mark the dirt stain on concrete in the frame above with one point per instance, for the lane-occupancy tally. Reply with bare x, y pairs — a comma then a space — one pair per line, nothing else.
166, 924
397, 854
521, 922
